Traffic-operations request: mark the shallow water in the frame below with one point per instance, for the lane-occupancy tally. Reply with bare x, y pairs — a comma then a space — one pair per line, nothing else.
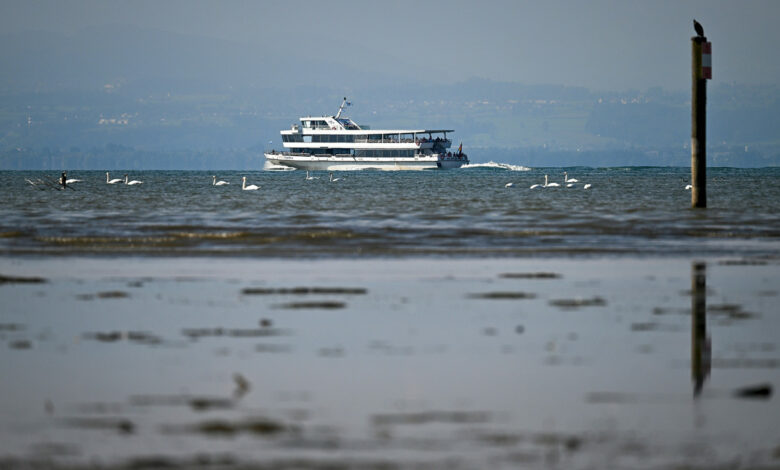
435, 363
466, 212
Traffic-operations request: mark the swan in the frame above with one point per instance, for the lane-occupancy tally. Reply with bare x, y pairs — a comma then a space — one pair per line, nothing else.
214, 181
112, 181
332, 179
586, 186
130, 183
509, 185
534, 186
309, 178
567, 180
546, 184
251, 187
688, 187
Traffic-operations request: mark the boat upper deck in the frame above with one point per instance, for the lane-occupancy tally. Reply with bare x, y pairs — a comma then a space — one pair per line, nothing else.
337, 124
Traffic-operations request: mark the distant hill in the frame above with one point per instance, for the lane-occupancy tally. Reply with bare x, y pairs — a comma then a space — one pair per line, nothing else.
125, 96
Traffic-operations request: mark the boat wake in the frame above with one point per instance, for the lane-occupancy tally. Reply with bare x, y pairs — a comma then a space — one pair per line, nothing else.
500, 166
268, 166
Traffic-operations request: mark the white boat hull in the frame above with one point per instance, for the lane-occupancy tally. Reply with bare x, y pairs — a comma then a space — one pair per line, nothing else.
333, 163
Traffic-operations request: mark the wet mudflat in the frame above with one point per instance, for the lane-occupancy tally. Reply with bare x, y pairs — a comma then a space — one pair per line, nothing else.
430, 363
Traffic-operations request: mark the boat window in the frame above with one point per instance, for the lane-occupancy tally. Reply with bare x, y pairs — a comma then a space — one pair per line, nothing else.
347, 124
307, 138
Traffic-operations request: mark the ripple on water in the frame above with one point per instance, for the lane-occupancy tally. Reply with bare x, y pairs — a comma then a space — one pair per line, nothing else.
463, 212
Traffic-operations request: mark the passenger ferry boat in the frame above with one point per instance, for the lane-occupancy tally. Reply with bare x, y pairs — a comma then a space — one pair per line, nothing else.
337, 143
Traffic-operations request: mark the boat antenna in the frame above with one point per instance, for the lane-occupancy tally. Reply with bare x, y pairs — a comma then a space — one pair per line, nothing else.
341, 108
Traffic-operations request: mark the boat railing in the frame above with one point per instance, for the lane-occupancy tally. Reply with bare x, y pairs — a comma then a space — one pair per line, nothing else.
302, 154
290, 154
368, 140
453, 156
418, 142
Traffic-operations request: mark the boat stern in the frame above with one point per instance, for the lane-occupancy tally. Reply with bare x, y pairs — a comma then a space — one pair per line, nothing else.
446, 161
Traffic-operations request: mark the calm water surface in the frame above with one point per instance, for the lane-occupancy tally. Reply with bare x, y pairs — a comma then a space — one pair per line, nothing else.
463, 212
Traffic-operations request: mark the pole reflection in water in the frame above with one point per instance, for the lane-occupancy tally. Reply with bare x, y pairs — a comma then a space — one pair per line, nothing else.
700, 343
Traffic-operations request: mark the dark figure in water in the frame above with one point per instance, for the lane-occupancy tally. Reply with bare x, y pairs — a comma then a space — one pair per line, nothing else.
63, 180
699, 30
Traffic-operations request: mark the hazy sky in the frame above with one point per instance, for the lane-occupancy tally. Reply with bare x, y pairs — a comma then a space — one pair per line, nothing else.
602, 45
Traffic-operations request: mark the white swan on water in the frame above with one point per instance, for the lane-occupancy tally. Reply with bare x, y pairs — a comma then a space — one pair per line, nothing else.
332, 179
214, 181
112, 181
131, 183
688, 187
309, 178
587, 186
509, 185
567, 180
546, 184
72, 180
251, 187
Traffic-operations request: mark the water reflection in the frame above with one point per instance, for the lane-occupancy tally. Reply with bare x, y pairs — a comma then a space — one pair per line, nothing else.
701, 351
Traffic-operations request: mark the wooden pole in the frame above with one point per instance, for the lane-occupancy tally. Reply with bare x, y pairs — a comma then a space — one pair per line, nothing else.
698, 127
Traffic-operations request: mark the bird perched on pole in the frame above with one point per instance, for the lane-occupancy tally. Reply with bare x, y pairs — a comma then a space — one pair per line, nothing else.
699, 30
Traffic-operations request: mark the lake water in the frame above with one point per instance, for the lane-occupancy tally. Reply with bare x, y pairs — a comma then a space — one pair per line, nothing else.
466, 212
391, 320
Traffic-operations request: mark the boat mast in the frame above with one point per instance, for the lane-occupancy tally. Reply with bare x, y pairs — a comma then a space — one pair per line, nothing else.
341, 108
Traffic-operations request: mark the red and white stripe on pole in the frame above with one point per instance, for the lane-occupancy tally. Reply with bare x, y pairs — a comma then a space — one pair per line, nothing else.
706, 60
